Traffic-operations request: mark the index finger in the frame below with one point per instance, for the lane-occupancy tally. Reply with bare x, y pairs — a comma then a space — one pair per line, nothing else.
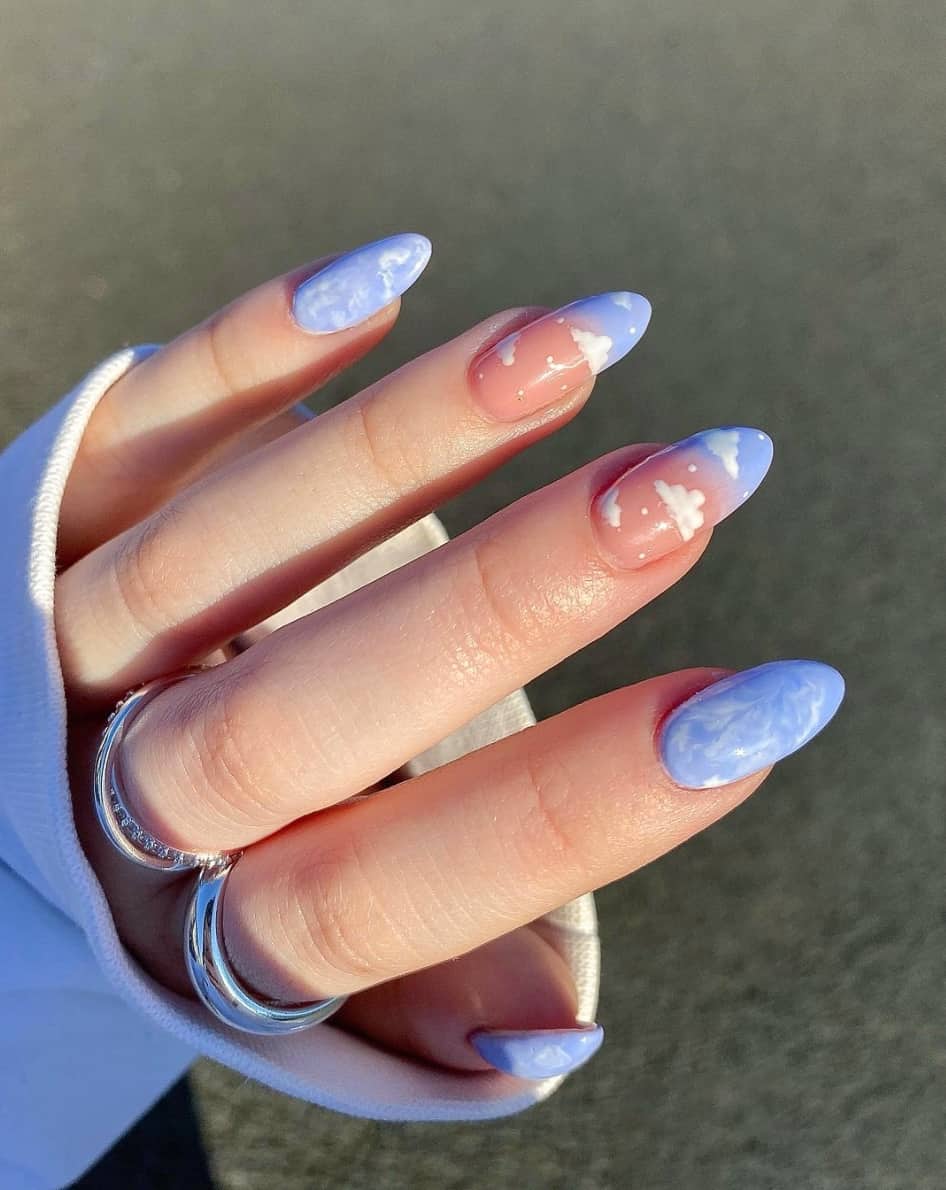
238, 368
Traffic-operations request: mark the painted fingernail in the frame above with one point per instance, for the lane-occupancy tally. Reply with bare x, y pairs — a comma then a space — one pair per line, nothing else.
537, 1053
361, 283
538, 365
662, 502
748, 721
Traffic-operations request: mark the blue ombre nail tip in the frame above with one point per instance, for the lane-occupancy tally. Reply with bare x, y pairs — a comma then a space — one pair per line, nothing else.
748, 721
537, 1053
621, 317
744, 452
361, 283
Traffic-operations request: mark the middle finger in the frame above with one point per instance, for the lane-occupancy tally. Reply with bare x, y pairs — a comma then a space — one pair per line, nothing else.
335, 701
252, 536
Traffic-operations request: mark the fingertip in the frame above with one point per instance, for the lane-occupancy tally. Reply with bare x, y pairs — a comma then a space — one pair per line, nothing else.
538, 1053
518, 983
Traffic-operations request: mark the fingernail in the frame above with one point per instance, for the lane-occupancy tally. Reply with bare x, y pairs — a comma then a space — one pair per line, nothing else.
361, 283
538, 365
748, 721
662, 502
537, 1053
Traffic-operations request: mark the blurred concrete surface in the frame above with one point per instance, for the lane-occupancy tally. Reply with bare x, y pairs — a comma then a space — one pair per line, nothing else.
771, 175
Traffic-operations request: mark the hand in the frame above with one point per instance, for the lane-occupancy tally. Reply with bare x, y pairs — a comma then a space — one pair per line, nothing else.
200, 504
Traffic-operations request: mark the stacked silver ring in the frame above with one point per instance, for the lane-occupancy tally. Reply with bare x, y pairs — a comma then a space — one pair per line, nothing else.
205, 956
132, 840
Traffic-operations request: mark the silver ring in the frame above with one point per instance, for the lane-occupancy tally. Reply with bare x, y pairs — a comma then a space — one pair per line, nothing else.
213, 977
121, 829
205, 957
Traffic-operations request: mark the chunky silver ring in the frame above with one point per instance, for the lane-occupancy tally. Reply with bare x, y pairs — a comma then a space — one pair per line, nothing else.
213, 977
120, 828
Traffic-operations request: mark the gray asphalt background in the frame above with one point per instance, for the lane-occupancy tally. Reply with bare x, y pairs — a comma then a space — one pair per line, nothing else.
770, 173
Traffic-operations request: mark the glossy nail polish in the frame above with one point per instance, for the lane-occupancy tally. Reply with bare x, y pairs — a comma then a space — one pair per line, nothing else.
361, 283
668, 498
539, 364
748, 721
537, 1053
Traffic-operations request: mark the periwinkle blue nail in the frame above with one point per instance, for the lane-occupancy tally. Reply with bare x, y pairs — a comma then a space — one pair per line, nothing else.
748, 721
361, 283
537, 1053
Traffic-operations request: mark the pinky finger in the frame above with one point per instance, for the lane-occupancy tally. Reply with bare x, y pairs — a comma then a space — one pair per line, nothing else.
510, 1005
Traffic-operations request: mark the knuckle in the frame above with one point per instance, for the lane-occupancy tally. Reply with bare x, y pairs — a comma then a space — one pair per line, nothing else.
336, 915
148, 568
232, 764
226, 373
549, 828
381, 446
497, 614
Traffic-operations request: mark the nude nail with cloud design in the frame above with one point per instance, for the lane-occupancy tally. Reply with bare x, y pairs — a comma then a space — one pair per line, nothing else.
671, 496
544, 361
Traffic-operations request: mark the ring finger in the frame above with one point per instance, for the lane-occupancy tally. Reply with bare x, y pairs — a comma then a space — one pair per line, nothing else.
447, 861
331, 703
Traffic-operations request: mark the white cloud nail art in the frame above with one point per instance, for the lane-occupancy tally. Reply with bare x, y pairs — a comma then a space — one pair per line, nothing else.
507, 350
611, 509
683, 505
725, 445
593, 347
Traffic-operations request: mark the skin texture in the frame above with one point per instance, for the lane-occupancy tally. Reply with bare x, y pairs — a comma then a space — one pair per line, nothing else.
237, 509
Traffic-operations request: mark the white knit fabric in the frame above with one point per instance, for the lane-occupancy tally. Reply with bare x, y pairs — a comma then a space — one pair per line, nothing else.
88, 1041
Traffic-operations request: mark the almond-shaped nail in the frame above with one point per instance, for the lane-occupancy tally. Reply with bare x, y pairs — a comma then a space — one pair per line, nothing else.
541, 363
664, 501
747, 721
537, 1053
360, 283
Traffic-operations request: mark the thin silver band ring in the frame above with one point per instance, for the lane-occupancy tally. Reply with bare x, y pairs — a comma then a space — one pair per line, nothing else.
115, 819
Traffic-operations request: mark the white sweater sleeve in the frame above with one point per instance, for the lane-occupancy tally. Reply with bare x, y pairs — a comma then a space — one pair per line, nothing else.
88, 1041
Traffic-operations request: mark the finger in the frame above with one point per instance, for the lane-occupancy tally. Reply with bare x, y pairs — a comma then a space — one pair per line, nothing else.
516, 992
249, 538
253, 358
259, 436
310, 715
262, 435
444, 862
